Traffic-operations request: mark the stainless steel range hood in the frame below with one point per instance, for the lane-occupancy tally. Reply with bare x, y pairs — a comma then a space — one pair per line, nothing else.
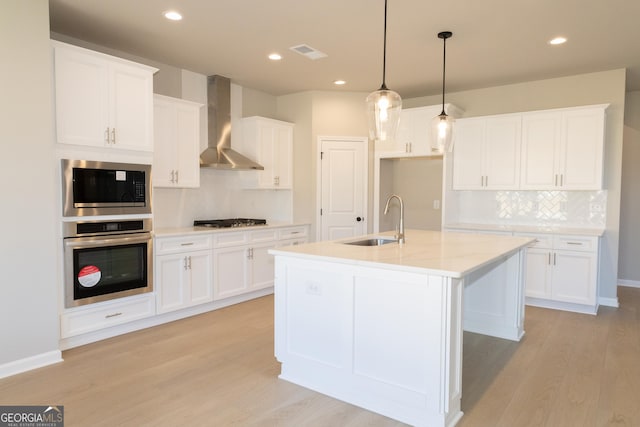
219, 154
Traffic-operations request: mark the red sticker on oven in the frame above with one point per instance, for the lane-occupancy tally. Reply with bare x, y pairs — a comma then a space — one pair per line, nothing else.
89, 276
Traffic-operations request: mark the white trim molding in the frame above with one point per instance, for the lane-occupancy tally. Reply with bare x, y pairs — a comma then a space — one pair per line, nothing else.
629, 283
29, 363
608, 302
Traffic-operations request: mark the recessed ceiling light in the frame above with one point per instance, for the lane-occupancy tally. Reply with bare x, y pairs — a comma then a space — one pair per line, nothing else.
339, 82
558, 40
172, 15
275, 57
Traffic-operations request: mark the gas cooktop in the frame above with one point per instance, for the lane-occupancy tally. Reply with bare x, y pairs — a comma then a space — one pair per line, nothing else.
229, 222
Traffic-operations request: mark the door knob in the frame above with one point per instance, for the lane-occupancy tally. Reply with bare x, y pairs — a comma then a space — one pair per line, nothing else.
359, 219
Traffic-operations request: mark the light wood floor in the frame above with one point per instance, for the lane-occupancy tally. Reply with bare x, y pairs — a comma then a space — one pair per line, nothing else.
218, 369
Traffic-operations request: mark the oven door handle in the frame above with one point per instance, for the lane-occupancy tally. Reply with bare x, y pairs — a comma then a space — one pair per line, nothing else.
115, 240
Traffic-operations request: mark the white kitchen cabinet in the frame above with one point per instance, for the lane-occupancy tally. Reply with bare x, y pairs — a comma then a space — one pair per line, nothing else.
101, 100
183, 272
270, 143
563, 149
486, 154
94, 317
414, 132
242, 263
176, 155
562, 269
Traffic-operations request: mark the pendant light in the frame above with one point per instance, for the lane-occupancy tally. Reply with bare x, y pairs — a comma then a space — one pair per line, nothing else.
383, 105
442, 125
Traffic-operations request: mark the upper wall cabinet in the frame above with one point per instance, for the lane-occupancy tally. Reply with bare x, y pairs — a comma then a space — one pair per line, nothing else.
487, 153
270, 143
563, 149
414, 132
101, 100
176, 154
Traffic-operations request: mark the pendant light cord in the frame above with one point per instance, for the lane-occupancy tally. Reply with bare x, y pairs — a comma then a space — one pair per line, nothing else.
384, 51
444, 64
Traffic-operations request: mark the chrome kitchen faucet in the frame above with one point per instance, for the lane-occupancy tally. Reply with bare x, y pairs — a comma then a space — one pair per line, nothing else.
400, 230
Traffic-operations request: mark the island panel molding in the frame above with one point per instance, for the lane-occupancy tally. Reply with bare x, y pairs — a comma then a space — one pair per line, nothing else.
381, 327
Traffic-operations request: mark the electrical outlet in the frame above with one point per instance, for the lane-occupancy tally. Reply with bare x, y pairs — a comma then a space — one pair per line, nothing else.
313, 288
436, 204
595, 207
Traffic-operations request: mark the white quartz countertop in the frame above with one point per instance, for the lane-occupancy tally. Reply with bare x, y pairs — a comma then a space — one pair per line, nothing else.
515, 228
181, 231
446, 254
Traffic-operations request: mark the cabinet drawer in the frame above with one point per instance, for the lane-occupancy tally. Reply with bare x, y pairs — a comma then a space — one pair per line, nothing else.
543, 241
263, 236
292, 233
230, 239
292, 242
108, 314
576, 243
168, 245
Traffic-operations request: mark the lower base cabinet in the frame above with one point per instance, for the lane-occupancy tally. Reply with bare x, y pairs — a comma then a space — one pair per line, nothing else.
242, 269
558, 274
183, 272
183, 280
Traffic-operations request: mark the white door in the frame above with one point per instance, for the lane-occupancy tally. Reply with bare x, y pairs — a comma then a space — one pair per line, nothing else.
343, 190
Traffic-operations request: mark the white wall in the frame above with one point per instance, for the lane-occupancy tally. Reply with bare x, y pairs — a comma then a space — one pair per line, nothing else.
28, 290
628, 265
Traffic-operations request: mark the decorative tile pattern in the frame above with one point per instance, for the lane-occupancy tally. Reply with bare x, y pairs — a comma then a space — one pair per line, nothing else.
557, 208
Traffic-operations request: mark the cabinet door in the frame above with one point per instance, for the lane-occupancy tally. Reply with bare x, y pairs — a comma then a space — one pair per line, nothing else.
164, 150
266, 156
541, 133
171, 282
468, 151
200, 268
538, 274
262, 266
188, 146
81, 98
283, 152
131, 107
230, 270
502, 152
574, 277
582, 149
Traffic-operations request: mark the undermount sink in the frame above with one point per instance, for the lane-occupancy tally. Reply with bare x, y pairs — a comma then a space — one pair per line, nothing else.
376, 241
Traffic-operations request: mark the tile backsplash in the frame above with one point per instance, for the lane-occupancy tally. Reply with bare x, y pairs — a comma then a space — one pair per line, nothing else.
556, 208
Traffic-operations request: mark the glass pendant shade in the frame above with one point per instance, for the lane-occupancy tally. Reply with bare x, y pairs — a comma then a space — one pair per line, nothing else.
383, 114
442, 133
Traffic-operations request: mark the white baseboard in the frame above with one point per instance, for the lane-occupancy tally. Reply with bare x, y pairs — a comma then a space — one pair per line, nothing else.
29, 363
609, 302
629, 283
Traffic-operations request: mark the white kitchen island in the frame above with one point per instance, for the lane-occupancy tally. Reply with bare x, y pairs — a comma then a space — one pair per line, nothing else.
381, 327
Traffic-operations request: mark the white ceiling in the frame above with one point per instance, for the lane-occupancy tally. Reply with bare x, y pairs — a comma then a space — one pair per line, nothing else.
494, 42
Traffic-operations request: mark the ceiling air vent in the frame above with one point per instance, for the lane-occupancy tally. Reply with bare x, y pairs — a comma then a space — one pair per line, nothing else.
308, 51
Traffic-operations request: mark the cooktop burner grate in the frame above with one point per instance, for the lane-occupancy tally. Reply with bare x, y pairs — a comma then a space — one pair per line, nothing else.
229, 222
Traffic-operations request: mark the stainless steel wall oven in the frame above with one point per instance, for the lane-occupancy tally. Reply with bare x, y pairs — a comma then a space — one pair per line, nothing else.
105, 260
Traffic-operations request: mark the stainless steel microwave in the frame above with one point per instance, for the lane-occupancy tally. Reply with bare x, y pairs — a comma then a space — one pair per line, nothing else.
91, 188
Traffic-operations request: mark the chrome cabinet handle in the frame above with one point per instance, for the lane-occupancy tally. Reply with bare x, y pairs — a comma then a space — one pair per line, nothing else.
561, 180
106, 135
108, 316
113, 135
184, 266
177, 179
172, 176
554, 259
189, 262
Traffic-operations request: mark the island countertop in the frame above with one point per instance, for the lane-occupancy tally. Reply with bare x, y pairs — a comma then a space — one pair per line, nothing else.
440, 253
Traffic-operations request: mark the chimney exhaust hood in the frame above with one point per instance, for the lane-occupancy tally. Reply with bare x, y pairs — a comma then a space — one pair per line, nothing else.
219, 154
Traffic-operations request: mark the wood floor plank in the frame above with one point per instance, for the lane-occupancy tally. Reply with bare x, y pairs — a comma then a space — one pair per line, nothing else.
218, 369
